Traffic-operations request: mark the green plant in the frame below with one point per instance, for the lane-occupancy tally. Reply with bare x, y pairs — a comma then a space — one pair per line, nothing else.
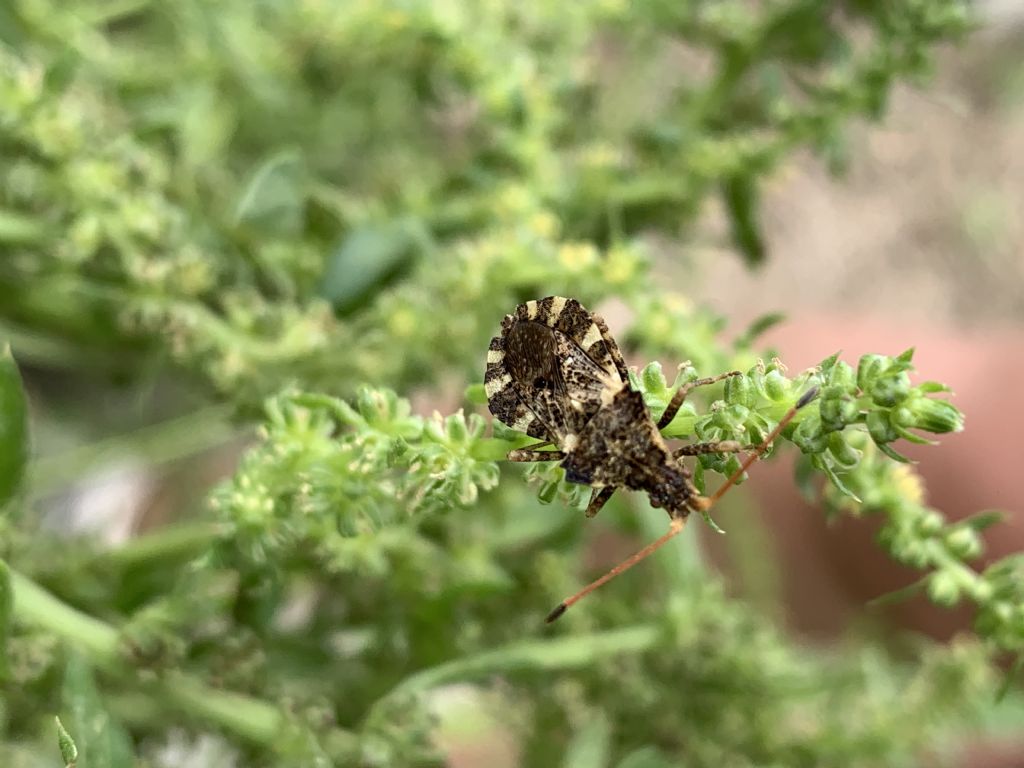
283, 214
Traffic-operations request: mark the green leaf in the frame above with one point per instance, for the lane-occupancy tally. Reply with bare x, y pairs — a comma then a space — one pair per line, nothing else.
101, 741
757, 328
804, 477
893, 454
826, 365
979, 521
369, 259
274, 201
741, 202
590, 745
825, 466
13, 427
68, 749
901, 594
698, 477
710, 521
911, 437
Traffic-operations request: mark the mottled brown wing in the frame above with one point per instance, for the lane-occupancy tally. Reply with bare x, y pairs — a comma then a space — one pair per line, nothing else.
551, 369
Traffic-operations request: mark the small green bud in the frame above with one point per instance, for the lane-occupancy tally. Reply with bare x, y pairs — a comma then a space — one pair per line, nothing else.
739, 391
994, 618
931, 523
434, 429
808, 436
937, 416
913, 553
455, 427
902, 417
68, 750
844, 453
964, 543
831, 392
653, 378
848, 411
732, 464
757, 431
837, 412
830, 411
880, 429
776, 386
737, 415
842, 377
943, 588
371, 405
982, 591
890, 389
715, 462
869, 368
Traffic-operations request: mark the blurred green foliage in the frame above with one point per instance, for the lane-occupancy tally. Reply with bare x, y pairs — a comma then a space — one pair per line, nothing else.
291, 210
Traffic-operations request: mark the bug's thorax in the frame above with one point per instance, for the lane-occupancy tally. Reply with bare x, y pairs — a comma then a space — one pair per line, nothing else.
621, 446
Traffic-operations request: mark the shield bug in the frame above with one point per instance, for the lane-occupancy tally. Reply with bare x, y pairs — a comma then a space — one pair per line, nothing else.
556, 373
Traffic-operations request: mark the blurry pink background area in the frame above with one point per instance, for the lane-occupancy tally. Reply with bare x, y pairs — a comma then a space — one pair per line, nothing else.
831, 570
920, 243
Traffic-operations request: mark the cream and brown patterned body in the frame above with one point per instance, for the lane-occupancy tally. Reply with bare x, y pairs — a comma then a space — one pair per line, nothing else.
556, 374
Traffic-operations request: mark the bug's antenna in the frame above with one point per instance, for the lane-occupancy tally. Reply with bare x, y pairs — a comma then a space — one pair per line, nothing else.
678, 523
806, 398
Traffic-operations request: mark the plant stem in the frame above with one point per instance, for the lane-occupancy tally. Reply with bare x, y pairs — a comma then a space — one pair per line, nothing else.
247, 717
175, 541
252, 719
35, 605
533, 656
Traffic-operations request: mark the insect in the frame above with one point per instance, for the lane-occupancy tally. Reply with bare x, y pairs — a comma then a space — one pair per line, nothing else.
556, 373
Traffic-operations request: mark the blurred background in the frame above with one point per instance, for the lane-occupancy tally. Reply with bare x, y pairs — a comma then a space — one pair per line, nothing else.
204, 207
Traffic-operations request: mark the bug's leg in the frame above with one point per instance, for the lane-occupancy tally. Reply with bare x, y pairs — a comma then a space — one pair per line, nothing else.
599, 499
613, 348
722, 446
527, 454
680, 395
536, 445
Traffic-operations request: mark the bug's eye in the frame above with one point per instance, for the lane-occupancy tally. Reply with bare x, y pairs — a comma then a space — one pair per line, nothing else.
540, 383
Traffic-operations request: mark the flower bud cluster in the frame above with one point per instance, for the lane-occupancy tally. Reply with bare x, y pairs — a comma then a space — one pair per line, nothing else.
328, 474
